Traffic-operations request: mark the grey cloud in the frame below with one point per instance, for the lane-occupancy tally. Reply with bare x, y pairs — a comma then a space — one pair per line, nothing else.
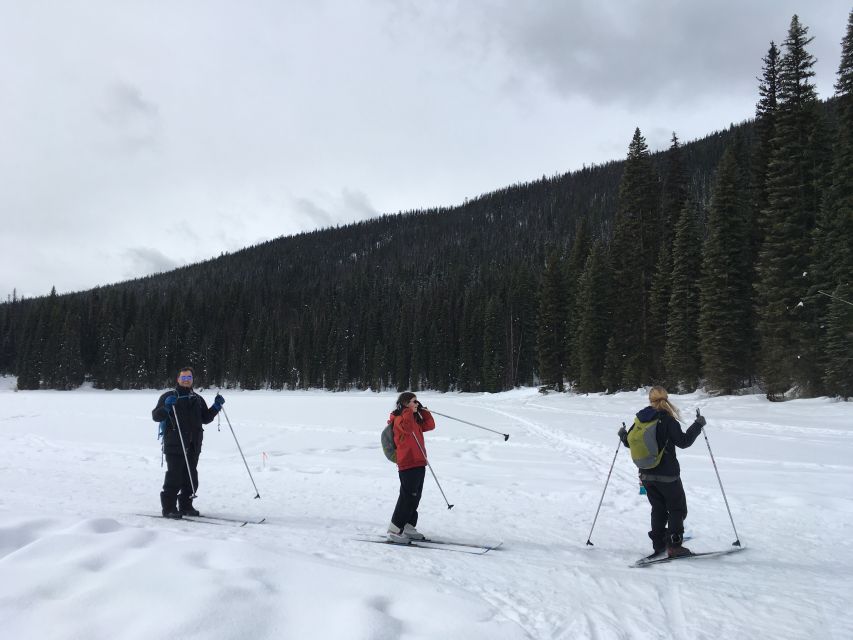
356, 205
317, 215
349, 205
649, 52
144, 260
134, 120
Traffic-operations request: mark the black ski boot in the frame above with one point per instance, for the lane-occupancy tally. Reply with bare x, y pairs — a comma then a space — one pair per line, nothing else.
169, 506
658, 542
186, 507
674, 549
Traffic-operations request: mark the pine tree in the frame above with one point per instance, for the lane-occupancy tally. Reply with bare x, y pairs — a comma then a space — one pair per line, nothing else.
833, 241
69, 370
590, 338
523, 311
574, 268
675, 193
493, 342
634, 254
471, 340
789, 219
725, 291
765, 129
552, 323
681, 354
614, 358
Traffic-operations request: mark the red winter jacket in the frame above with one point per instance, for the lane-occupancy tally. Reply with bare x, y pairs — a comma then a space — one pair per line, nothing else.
406, 429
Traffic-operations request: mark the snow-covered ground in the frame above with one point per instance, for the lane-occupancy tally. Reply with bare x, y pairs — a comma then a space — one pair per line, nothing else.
76, 562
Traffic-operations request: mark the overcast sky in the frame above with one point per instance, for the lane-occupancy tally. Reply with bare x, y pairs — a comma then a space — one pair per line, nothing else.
141, 136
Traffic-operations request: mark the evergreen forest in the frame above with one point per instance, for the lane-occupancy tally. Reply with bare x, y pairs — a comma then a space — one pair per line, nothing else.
724, 263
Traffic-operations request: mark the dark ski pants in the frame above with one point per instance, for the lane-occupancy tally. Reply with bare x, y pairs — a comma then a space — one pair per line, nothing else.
669, 509
177, 480
411, 487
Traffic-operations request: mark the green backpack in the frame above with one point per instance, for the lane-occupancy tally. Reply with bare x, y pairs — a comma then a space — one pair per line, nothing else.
389, 447
643, 443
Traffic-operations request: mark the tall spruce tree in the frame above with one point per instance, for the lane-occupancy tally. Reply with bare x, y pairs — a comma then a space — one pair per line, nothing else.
832, 263
552, 323
792, 200
765, 128
574, 268
494, 361
675, 194
681, 354
523, 327
634, 254
725, 290
593, 326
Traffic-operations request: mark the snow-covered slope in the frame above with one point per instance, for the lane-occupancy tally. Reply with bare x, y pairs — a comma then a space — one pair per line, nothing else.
76, 562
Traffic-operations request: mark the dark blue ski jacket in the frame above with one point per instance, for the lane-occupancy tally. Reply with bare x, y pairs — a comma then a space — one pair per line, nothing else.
669, 435
192, 411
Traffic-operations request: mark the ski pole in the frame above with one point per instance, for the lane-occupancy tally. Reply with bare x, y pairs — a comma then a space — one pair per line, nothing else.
184, 449
736, 543
449, 506
505, 435
829, 295
606, 482
257, 493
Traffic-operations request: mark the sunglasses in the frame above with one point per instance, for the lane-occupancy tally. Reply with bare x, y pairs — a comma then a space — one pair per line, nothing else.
185, 378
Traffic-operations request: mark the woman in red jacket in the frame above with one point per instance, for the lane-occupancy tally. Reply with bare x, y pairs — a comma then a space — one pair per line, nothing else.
410, 420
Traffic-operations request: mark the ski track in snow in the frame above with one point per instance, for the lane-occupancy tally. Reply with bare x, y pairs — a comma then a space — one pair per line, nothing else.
90, 460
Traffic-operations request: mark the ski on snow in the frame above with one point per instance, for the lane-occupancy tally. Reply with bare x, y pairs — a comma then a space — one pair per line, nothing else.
437, 545
216, 520
239, 521
658, 559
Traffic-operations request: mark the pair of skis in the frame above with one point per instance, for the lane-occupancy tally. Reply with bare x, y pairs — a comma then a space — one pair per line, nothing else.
215, 520
657, 558
436, 545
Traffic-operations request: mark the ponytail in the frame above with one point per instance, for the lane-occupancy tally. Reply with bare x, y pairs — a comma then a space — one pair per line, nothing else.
659, 399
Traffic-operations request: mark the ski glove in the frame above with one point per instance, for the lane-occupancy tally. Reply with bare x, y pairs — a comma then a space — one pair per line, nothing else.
170, 402
218, 401
700, 420
622, 432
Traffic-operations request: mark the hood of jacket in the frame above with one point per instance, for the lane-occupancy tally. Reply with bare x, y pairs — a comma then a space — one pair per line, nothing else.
647, 415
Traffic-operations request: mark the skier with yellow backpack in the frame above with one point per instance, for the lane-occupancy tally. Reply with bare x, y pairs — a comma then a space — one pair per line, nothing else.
652, 440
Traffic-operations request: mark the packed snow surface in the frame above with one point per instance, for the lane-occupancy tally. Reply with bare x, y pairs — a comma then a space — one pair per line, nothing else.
76, 561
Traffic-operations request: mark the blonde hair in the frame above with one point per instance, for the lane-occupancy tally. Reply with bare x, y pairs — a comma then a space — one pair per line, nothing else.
659, 399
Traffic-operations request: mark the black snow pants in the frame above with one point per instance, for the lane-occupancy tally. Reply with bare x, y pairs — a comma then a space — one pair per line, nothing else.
411, 487
669, 509
177, 480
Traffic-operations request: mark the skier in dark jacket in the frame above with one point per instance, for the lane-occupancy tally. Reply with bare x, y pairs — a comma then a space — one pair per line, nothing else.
192, 412
663, 482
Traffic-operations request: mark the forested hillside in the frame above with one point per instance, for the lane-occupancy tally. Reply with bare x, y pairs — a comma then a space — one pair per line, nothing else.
711, 262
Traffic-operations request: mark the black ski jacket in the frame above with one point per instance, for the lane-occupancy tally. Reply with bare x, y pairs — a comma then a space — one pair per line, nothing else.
669, 435
192, 414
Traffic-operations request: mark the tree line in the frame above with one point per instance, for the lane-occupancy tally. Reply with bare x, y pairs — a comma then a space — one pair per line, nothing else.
726, 262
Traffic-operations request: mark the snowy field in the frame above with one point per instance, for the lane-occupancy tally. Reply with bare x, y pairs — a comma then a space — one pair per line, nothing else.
76, 562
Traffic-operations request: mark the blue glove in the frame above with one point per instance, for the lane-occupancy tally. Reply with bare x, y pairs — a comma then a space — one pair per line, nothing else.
218, 401
170, 402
